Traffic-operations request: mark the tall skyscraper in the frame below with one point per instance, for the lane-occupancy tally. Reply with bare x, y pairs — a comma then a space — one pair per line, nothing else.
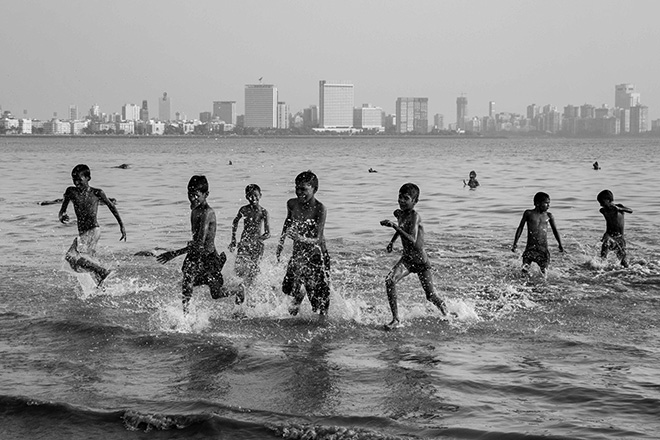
639, 116
625, 96
144, 111
335, 104
491, 109
164, 107
439, 121
461, 112
412, 115
95, 112
225, 111
130, 112
282, 115
260, 106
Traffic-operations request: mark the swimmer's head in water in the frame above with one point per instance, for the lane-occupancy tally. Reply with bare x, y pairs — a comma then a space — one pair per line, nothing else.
473, 174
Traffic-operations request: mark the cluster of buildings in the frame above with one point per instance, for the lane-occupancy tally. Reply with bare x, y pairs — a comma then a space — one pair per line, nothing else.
336, 112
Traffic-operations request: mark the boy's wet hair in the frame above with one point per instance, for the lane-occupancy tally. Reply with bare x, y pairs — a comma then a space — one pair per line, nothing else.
605, 195
199, 183
540, 197
473, 173
81, 169
410, 188
308, 177
252, 187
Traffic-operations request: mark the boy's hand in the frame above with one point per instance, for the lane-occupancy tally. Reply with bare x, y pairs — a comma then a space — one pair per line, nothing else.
514, 247
387, 223
64, 218
165, 257
389, 247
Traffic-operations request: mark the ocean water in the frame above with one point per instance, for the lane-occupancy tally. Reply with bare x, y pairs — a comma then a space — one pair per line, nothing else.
576, 355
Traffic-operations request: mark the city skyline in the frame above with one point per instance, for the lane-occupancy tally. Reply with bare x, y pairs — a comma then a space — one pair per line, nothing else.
512, 52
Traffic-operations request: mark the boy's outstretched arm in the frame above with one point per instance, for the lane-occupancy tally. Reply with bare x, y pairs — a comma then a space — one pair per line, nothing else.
622, 208
519, 231
113, 210
390, 245
169, 255
234, 227
555, 232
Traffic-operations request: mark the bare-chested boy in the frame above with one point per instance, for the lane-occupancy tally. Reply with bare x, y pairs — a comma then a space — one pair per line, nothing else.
202, 265
309, 265
613, 239
537, 219
86, 201
414, 258
251, 247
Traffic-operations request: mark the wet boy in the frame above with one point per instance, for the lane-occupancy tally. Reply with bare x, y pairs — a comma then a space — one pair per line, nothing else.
202, 265
309, 265
614, 222
251, 247
473, 182
86, 201
414, 258
537, 219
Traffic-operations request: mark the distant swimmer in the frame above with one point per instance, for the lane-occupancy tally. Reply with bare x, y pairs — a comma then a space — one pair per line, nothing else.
596, 166
230, 163
371, 170
123, 166
473, 182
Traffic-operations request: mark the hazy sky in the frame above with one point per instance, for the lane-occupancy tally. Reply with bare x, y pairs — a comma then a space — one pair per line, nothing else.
513, 52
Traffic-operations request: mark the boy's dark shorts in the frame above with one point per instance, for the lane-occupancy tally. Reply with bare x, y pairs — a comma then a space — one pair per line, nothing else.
313, 273
248, 255
205, 269
540, 256
614, 242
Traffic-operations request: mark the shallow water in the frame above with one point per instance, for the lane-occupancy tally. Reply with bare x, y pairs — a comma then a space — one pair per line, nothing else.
573, 356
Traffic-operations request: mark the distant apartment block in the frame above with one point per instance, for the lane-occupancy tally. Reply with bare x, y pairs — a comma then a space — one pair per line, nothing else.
144, 111
164, 107
336, 100
368, 117
282, 115
130, 112
439, 121
625, 96
260, 106
412, 115
225, 111
311, 116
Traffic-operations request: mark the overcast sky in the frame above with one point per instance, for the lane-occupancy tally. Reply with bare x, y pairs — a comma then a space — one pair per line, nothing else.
513, 52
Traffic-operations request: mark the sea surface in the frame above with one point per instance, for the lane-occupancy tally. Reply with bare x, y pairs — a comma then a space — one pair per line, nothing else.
576, 355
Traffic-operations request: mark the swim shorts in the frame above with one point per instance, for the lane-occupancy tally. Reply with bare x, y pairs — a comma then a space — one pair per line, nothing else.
540, 256
613, 242
248, 255
417, 266
205, 269
83, 247
311, 270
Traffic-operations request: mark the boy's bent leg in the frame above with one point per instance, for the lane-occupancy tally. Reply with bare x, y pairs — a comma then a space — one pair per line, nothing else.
426, 278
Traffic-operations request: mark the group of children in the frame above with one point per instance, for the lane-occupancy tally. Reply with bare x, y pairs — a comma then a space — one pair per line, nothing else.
309, 265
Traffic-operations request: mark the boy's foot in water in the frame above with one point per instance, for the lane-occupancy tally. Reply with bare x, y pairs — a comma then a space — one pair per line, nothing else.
394, 324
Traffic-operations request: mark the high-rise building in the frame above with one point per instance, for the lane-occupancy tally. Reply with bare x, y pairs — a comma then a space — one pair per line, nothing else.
144, 111
164, 107
95, 112
461, 112
439, 121
532, 111
368, 117
311, 116
260, 106
130, 112
225, 111
639, 116
412, 115
282, 115
625, 96
491, 109
335, 104
73, 112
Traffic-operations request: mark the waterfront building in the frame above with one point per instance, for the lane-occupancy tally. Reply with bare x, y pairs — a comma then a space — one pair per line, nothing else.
368, 117
73, 112
144, 111
439, 121
164, 107
336, 104
412, 115
95, 112
311, 116
491, 109
225, 111
260, 106
625, 96
461, 112
130, 112
282, 115
639, 115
